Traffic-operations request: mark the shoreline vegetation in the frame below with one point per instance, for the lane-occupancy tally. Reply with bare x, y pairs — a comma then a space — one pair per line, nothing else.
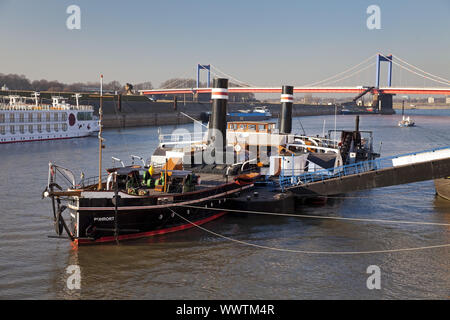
20, 83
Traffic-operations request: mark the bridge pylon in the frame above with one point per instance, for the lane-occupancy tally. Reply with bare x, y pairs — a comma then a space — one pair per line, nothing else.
383, 101
388, 59
206, 67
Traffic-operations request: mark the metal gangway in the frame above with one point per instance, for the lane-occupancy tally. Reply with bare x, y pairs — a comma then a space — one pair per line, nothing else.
290, 179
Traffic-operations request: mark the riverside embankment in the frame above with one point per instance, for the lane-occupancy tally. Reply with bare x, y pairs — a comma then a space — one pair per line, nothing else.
133, 112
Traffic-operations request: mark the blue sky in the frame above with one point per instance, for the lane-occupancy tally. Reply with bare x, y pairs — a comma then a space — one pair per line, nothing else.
261, 42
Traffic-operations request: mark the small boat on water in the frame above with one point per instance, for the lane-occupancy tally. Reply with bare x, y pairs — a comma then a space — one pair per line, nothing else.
406, 121
347, 110
255, 114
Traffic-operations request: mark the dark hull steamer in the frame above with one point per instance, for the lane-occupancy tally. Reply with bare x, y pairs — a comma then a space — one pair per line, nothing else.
166, 194
109, 216
173, 191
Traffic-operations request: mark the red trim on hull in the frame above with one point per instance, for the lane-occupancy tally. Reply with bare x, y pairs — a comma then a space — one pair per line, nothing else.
150, 233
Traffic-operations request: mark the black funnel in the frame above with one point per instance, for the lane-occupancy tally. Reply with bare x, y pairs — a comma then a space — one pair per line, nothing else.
287, 99
218, 119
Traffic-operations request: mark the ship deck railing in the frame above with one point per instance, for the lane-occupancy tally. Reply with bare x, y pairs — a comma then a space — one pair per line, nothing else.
184, 137
292, 177
331, 143
85, 182
32, 107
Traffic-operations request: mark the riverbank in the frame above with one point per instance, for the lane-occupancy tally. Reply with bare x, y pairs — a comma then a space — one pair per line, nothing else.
164, 113
422, 106
137, 111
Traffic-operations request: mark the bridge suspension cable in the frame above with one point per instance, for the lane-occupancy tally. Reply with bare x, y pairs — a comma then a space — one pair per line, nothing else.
350, 75
246, 84
412, 71
185, 82
178, 83
219, 72
339, 74
430, 74
173, 82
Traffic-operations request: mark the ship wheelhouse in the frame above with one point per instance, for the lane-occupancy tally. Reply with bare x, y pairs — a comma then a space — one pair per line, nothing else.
252, 126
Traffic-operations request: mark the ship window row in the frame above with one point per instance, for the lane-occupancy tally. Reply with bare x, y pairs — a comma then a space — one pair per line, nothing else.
33, 117
22, 129
82, 116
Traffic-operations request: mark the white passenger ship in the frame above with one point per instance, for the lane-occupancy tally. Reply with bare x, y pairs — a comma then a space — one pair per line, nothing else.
21, 121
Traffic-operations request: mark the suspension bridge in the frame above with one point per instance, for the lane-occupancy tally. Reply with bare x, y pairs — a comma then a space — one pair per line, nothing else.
382, 95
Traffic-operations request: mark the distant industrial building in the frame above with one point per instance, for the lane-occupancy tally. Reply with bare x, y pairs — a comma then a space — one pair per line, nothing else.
307, 98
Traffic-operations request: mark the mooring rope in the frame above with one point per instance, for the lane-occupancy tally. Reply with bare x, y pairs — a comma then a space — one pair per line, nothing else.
192, 118
320, 217
306, 251
374, 196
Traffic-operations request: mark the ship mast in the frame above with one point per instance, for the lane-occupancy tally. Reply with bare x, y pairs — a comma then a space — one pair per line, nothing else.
100, 138
36, 100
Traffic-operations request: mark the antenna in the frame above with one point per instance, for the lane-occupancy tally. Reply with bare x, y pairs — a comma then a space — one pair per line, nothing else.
77, 96
100, 138
335, 120
36, 94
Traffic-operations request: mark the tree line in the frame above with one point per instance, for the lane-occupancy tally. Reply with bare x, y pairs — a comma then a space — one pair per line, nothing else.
177, 83
21, 82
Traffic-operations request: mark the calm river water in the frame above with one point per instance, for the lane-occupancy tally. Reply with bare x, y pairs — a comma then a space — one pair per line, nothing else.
197, 265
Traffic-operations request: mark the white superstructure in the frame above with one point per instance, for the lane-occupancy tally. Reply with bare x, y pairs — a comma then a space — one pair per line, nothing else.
21, 121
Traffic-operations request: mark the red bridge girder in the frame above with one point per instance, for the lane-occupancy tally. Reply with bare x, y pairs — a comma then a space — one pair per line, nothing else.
387, 90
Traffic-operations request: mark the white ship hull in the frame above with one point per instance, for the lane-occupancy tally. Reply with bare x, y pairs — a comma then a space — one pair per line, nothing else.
44, 136
26, 123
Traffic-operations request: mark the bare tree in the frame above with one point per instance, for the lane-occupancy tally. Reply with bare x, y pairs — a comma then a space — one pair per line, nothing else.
144, 86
